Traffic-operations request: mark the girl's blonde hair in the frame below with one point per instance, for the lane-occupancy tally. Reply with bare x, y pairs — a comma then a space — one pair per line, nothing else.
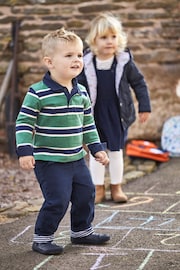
103, 24
50, 41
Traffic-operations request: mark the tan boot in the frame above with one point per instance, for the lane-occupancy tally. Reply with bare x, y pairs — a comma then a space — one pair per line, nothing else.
100, 193
117, 194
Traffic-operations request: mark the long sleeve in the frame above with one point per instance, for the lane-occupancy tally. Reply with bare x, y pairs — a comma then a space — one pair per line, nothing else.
25, 123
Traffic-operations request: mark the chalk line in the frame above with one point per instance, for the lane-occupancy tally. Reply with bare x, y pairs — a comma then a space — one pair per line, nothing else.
138, 228
123, 238
170, 236
146, 260
109, 254
151, 188
108, 219
108, 208
172, 206
21, 233
38, 266
154, 194
135, 201
98, 262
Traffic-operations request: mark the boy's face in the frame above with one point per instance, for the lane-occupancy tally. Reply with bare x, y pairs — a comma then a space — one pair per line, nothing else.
106, 45
67, 61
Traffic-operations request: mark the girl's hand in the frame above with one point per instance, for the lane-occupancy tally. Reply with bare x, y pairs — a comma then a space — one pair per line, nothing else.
27, 162
102, 157
143, 117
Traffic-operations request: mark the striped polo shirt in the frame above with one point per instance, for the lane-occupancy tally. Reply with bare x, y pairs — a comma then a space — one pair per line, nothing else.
53, 124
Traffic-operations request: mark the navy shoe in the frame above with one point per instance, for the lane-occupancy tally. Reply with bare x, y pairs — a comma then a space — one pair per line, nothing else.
92, 239
47, 248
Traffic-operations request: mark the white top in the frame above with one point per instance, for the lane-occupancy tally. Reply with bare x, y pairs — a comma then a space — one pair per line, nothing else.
104, 64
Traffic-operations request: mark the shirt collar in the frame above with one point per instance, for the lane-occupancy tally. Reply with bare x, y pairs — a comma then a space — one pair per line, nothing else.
56, 87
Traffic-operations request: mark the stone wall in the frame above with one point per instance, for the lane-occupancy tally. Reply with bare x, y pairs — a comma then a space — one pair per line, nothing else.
153, 28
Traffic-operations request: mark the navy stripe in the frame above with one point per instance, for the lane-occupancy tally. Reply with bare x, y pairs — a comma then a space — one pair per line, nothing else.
29, 111
59, 131
61, 110
23, 128
41, 93
59, 151
88, 111
92, 127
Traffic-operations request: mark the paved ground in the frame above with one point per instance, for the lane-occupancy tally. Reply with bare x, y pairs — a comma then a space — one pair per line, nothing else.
145, 232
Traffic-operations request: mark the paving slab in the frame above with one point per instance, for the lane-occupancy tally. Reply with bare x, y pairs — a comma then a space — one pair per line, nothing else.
145, 232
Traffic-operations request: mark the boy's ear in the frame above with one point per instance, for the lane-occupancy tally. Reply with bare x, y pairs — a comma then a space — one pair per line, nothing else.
47, 61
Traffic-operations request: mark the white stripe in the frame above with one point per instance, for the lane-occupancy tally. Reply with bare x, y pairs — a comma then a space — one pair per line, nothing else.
24, 131
82, 233
62, 107
60, 128
42, 238
61, 114
29, 108
24, 144
27, 125
55, 154
57, 148
29, 115
51, 95
44, 90
58, 135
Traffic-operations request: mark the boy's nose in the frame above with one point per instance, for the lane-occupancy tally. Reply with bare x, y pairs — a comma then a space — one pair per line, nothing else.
77, 59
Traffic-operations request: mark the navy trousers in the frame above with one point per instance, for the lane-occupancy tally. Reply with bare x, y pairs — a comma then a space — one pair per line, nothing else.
62, 183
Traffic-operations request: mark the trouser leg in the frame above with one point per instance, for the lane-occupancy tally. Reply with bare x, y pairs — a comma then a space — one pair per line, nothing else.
82, 209
55, 180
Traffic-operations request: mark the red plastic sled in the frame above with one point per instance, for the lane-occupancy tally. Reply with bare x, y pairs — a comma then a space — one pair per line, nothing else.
146, 149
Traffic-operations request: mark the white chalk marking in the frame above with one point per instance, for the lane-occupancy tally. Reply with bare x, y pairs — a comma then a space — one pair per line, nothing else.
135, 201
172, 206
166, 222
98, 262
171, 236
153, 194
123, 238
109, 207
109, 254
13, 240
149, 219
43, 262
138, 228
151, 188
107, 220
146, 260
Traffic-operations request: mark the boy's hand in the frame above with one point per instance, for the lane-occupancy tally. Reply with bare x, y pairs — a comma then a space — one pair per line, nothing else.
27, 162
102, 157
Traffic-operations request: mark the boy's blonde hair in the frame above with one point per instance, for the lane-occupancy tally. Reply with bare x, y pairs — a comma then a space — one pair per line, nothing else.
103, 24
50, 41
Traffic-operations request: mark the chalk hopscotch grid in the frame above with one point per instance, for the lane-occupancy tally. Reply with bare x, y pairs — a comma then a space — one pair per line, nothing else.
116, 250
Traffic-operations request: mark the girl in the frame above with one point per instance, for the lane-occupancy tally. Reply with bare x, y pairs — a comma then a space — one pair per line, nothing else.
109, 72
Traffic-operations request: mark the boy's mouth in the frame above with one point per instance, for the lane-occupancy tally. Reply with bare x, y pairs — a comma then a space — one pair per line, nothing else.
75, 67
